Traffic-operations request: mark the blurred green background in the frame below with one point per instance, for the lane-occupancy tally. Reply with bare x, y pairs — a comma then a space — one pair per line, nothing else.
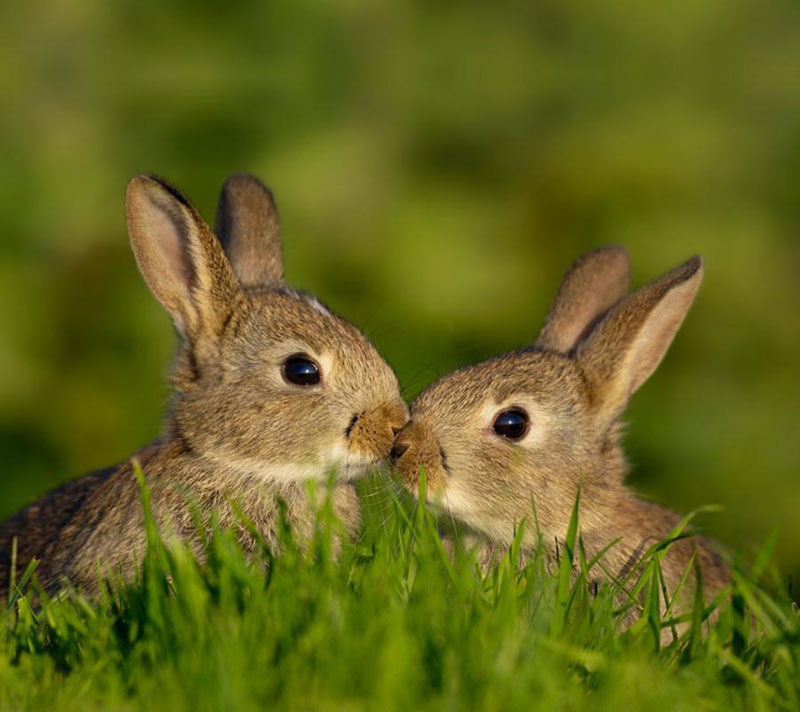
437, 167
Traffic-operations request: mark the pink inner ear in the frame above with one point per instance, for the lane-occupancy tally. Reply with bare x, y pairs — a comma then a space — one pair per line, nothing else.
159, 237
178, 256
629, 344
175, 249
174, 253
654, 339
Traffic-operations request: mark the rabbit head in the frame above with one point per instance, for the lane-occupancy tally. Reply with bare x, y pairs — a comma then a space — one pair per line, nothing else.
268, 382
521, 432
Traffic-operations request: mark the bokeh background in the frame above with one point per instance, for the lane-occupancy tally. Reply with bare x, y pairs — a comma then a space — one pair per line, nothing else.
437, 167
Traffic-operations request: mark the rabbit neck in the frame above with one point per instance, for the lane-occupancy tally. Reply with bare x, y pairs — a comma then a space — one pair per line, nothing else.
175, 473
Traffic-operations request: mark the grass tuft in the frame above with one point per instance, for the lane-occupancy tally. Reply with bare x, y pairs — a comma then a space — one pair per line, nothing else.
392, 622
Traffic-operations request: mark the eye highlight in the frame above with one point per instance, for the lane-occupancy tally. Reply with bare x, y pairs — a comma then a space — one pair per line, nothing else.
301, 370
511, 424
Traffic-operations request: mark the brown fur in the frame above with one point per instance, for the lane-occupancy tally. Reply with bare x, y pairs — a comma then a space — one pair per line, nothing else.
236, 429
574, 385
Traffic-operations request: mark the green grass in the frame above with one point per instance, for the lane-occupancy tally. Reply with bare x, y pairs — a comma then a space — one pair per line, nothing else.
391, 623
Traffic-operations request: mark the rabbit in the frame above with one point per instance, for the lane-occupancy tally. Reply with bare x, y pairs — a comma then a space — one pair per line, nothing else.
533, 426
270, 390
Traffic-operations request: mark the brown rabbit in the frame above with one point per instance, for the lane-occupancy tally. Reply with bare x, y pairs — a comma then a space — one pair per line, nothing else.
538, 423
270, 390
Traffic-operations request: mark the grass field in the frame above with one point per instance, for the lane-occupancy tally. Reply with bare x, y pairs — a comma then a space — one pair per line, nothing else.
390, 624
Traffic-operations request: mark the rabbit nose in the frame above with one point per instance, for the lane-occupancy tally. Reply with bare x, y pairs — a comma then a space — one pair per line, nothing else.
398, 449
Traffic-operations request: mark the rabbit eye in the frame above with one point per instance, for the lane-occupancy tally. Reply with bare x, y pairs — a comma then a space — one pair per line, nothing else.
301, 370
511, 424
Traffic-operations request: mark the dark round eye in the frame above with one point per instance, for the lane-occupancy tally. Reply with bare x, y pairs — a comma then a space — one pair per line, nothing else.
511, 424
301, 370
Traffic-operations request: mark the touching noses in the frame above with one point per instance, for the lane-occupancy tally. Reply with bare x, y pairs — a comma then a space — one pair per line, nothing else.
398, 449
404, 439
373, 431
417, 448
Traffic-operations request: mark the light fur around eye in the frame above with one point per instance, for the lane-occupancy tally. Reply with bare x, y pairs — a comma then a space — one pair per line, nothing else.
537, 426
278, 358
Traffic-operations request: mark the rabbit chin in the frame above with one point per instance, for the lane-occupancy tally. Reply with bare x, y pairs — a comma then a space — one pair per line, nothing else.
349, 465
451, 501
340, 462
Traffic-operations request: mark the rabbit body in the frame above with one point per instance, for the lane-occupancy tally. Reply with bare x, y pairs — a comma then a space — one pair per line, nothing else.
96, 522
270, 390
517, 437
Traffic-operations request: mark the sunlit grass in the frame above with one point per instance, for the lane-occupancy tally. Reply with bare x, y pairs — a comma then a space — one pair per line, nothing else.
391, 623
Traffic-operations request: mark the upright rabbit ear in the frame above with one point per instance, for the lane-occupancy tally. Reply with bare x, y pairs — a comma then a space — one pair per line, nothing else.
593, 284
629, 342
247, 226
179, 257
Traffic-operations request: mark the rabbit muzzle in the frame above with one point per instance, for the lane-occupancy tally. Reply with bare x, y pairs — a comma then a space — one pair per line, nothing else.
370, 434
415, 450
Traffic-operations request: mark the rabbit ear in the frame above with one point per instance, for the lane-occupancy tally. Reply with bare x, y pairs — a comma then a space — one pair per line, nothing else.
593, 284
629, 342
179, 257
247, 225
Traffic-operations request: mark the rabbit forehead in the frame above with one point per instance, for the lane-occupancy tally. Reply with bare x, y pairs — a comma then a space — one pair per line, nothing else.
541, 377
277, 323
287, 314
